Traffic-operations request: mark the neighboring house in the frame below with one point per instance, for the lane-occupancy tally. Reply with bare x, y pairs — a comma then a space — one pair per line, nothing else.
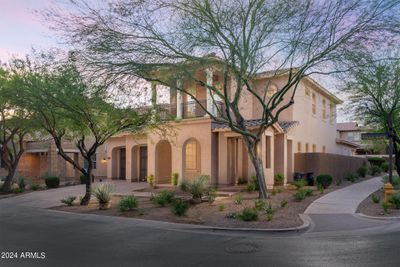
41, 158
200, 146
349, 135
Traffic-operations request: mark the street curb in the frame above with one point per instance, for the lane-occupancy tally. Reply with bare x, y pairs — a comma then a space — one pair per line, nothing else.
377, 218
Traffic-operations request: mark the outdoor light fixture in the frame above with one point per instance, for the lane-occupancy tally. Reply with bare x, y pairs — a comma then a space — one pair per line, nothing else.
104, 161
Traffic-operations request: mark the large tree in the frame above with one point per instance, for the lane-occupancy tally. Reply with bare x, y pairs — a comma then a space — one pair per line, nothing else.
374, 96
67, 107
160, 40
15, 124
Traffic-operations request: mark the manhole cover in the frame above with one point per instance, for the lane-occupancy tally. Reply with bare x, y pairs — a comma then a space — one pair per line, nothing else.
242, 248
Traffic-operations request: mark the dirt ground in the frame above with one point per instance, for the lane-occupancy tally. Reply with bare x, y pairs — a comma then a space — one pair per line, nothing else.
368, 207
212, 215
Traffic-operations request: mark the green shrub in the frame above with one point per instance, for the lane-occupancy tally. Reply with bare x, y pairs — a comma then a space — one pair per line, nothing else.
68, 200
395, 200
232, 215
35, 187
300, 195
211, 195
103, 192
279, 179
273, 192
395, 181
52, 181
238, 199
251, 188
385, 206
260, 204
279, 190
21, 183
221, 207
308, 192
385, 166
248, 214
163, 198
351, 176
83, 179
376, 161
320, 188
338, 182
255, 181
174, 179
241, 180
198, 187
325, 180
374, 170
362, 171
128, 203
300, 183
269, 211
17, 190
179, 207
150, 180
375, 199
284, 203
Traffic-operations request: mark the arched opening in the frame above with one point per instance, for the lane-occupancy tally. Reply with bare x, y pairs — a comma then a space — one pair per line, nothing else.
191, 159
163, 162
118, 163
139, 163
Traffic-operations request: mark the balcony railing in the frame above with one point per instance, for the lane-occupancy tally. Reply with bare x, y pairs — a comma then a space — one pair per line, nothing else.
190, 109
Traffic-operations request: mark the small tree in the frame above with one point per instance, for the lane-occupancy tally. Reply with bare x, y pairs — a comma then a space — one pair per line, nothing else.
161, 40
69, 108
374, 97
15, 124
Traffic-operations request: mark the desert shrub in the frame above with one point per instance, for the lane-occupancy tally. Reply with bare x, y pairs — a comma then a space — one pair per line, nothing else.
251, 188
248, 214
241, 180
338, 182
17, 190
103, 192
260, 204
273, 192
128, 203
362, 171
279, 190
325, 180
308, 192
395, 200
385, 166
373, 170
21, 183
279, 178
232, 215
284, 203
163, 198
255, 181
83, 179
238, 199
211, 195
385, 206
179, 207
375, 199
269, 211
174, 179
351, 176
395, 181
150, 180
52, 181
320, 188
376, 161
221, 207
35, 187
68, 200
300, 195
300, 183
198, 187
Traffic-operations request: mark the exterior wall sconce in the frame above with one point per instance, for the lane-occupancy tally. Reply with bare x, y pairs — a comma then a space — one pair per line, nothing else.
104, 161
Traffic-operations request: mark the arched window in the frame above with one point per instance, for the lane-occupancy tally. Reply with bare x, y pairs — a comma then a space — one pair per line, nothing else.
272, 89
191, 155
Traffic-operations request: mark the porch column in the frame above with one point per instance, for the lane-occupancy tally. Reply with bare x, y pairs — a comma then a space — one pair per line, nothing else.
179, 99
209, 81
153, 93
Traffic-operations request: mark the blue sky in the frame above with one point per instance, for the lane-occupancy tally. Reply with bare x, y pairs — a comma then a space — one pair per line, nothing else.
21, 29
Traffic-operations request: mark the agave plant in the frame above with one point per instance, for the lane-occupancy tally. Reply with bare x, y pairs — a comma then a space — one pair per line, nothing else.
198, 187
103, 193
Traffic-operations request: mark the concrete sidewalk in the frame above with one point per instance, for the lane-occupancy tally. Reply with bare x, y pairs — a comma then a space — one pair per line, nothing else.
345, 200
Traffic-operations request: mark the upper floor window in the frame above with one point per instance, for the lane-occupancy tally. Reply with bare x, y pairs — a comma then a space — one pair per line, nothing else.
314, 104
314, 148
306, 147
298, 146
324, 109
332, 113
272, 89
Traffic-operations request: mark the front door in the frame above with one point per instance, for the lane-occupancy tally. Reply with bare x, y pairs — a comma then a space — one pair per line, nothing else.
232, 159
143, 163
122, 164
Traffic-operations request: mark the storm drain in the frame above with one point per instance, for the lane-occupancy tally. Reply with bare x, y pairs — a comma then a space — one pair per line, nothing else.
242, 248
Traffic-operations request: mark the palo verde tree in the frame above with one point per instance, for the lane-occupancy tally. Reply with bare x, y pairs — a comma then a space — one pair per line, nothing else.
161, 40
374, 97
15, 124
69, 108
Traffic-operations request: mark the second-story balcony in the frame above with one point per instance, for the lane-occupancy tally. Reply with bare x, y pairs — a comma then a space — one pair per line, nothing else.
190, 109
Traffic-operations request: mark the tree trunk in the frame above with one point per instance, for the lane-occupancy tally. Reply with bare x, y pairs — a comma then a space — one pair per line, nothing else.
8, 181
258, 166
88, 185
396, 156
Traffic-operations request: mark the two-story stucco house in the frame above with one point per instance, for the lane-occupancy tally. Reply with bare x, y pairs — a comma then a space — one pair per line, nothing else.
200, 146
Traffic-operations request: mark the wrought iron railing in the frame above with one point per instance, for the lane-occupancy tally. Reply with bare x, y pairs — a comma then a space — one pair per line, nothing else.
190, 109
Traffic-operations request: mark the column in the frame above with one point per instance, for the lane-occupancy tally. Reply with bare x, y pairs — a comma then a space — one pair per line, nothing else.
209, 81
153, 93
179, 99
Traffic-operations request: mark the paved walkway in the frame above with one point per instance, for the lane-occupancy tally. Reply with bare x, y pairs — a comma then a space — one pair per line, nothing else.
345, 200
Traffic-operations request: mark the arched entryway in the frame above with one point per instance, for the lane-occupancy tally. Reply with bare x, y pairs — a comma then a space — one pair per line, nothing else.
139, 163
118, 163
163, 162
191, 155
